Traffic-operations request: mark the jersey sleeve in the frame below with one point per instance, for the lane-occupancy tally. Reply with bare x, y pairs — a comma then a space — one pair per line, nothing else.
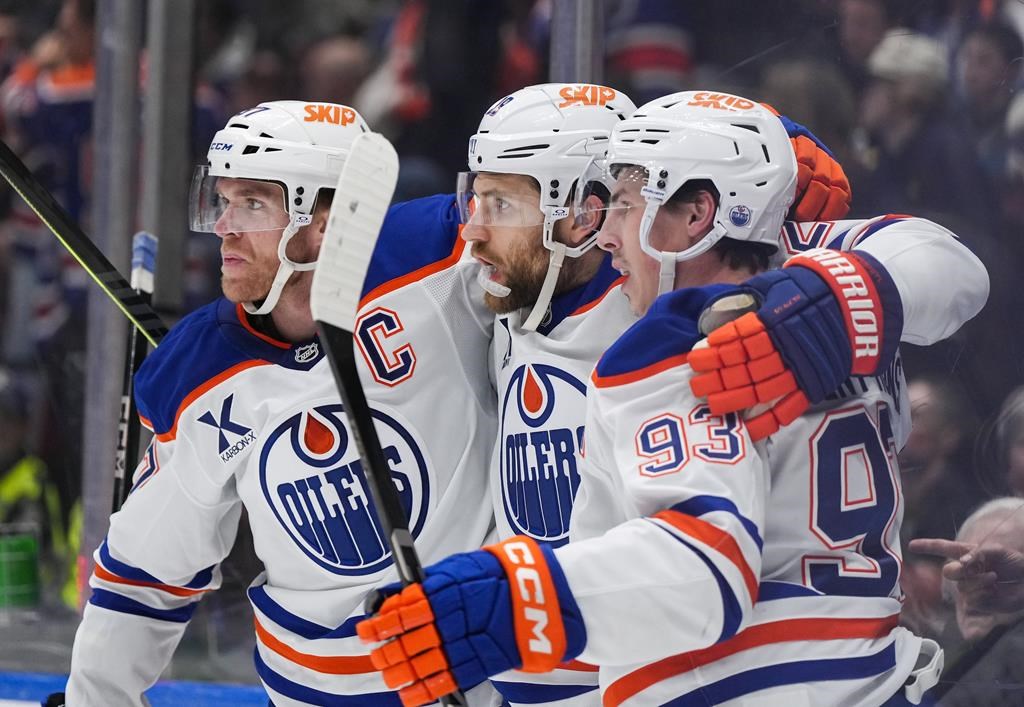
683, 493
941, 283
160, 556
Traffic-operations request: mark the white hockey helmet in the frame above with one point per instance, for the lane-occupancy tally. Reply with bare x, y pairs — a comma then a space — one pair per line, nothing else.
299, 147
739, 145
549, 132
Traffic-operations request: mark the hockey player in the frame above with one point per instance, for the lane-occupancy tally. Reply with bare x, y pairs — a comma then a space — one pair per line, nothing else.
245, 413
689, 581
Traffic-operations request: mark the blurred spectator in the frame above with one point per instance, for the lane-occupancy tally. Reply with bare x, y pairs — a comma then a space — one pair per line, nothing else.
263, 79
333, 69
814, 93
989, 67
917, 159
987, 669
862, 24
1009, 442
939, 492
648, 47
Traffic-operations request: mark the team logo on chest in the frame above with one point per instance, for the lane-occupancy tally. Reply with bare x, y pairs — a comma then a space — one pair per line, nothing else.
541, 437
314, 482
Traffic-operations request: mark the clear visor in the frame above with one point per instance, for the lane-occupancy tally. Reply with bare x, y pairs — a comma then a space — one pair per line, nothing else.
230, 205
487, 199
610, 189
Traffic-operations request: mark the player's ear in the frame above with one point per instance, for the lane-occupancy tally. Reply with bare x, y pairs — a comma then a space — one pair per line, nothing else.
701, 215
585, 223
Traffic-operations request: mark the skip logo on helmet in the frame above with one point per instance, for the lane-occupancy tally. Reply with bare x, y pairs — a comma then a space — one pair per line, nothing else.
585, 95
329, 113
720, 101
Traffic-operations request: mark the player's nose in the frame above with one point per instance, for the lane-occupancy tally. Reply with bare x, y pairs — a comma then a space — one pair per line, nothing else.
608, 239
472, 232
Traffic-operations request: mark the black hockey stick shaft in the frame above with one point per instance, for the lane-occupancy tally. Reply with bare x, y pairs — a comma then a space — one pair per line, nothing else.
129, 429
81, 247
341, 354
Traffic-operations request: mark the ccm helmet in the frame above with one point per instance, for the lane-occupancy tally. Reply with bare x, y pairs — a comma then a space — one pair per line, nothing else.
299, 148
548, 132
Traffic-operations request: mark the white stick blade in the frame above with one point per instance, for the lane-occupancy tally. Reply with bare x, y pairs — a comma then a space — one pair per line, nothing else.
361, 201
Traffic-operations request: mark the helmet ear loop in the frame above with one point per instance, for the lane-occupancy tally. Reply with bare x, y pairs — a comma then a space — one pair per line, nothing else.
547, 290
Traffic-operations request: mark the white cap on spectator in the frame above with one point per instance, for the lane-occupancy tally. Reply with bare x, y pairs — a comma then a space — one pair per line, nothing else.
906, 55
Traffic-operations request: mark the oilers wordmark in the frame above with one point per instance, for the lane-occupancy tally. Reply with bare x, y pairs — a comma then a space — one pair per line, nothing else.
540, 450
326, 507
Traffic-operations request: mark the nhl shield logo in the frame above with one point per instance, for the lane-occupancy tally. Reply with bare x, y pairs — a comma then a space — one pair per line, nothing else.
307, 353
540, 445
314, 482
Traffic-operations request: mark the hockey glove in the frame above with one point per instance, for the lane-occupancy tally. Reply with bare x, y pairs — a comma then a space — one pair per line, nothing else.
822, 189
475, 615
826, 315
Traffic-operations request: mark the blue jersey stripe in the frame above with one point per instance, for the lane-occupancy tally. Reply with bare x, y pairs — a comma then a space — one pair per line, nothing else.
116, 602
289, 688
533, 694
127, 571
731, 612
804, 671
699, 505
296, 624
770, 591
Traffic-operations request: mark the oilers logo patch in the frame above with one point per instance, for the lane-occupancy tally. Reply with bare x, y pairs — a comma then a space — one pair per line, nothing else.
539, 455
313, 480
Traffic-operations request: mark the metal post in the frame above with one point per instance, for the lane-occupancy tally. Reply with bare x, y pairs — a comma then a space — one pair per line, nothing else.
115, 128
166, 150
577, 41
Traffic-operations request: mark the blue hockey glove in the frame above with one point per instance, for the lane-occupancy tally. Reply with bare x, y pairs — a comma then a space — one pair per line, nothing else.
823, 317
475, 615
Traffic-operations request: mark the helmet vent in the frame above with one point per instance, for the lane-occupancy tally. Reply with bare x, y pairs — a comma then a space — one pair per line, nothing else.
751, 128
249, 149
267, 135
760, 184
243, 126
524, 151
767, 157
271, 149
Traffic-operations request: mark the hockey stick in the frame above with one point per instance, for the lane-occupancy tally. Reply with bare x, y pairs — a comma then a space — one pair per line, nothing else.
357, 213
81, 247
144, 247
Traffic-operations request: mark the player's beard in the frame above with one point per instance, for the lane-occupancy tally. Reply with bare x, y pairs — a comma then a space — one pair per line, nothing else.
524, 270
254, 282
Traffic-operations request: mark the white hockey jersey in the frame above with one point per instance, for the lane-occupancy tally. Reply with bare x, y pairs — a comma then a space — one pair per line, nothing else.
243, 420
729, 575
541, 377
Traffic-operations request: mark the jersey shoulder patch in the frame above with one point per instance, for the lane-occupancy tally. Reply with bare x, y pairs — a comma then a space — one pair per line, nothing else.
194, 353
660, 340
418, 238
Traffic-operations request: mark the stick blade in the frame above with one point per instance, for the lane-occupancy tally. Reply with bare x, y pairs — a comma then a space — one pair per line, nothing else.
361, 201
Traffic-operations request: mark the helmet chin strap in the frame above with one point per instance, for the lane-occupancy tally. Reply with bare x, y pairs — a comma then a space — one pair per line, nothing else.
284, 269
547, 290
667, 259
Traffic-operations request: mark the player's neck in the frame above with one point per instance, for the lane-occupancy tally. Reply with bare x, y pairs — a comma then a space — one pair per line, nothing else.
291, 315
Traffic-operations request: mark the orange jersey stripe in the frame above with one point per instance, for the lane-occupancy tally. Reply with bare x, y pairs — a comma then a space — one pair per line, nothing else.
639, 374
578, 666
240, 311
590, 305
109, 576
753, 637
203, 388
425, 271
713, 536
333, 665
